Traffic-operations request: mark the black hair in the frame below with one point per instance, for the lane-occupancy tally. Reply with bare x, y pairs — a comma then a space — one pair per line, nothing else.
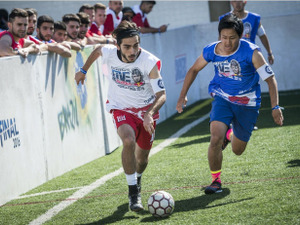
125, 30
84, 18
3, 19
44, 19
149, 2
59, 25
128, 9
16, 12
231, 21
70, 17
85, 6
31, 11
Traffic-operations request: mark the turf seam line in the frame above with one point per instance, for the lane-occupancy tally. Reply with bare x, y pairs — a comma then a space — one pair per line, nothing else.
87, 189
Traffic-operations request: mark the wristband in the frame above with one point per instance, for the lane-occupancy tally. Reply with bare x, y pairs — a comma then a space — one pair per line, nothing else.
82, 70
277, 107
107, 41
270, 54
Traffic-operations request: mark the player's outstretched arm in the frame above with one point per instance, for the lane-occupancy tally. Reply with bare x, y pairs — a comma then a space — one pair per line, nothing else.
160, 99
267, 75
276, 110
80, 75
191, 75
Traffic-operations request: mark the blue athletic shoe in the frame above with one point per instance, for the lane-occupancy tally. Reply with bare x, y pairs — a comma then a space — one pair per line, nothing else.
215, 187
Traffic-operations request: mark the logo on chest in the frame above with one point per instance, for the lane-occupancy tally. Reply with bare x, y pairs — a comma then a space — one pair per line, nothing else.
230, 69
127, 78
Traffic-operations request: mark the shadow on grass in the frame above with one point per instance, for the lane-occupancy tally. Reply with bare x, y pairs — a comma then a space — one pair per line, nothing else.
192, 142
118, 215
200, 202
294, 163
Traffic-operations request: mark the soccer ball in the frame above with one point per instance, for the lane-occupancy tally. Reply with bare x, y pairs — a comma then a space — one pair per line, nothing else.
161, 204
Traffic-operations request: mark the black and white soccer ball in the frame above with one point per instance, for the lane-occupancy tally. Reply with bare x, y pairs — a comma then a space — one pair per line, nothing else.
161, 204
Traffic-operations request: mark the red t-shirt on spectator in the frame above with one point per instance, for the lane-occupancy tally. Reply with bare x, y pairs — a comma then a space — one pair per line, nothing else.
140, 19
94, 29
112, 21
137, 19
15, 45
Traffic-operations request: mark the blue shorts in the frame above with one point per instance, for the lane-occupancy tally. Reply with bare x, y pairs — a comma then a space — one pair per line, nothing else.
242, 118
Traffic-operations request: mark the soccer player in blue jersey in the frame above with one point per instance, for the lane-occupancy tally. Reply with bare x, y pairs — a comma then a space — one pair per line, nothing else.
236, 91
252, 26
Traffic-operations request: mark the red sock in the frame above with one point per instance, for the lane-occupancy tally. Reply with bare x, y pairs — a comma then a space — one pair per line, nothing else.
216, 176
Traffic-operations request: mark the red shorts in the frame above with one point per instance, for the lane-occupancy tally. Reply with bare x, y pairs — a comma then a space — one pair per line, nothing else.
142, 137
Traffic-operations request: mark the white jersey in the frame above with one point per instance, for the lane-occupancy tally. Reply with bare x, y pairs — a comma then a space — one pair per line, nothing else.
129, 83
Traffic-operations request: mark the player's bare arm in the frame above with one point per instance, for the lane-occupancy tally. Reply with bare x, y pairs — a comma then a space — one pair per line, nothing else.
29, 47
5, 49
189, 79
258, 61
79, 76
156, 105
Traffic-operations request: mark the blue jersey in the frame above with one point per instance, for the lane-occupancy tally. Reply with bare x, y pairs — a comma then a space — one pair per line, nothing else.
251, 25
236, 79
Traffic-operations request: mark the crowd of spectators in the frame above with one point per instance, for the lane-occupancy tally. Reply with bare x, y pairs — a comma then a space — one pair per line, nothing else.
23, 32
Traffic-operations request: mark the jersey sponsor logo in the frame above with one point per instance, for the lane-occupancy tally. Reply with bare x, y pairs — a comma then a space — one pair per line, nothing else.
230, 69
121, 118
160, 84
268, 69
239, 100
128, 79
149, 99
247, 31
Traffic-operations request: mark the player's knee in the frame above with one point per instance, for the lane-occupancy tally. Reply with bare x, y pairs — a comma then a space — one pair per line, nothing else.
238, 151
216, 141
128, 142
142, 161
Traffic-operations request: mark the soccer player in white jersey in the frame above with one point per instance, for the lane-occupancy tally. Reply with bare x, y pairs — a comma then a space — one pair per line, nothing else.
236, 90
136, 93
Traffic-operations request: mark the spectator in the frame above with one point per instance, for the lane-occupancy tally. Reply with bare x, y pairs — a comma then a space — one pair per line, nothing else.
252, 26
97, 26
72, 22
114, 16
12, 41
45, 30
60, 35
32, 19
89, 9
3, 20
86, 37
141, 20
128, 14
60, 32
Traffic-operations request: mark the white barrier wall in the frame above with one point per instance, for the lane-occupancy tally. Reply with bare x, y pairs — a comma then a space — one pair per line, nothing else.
49, 125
